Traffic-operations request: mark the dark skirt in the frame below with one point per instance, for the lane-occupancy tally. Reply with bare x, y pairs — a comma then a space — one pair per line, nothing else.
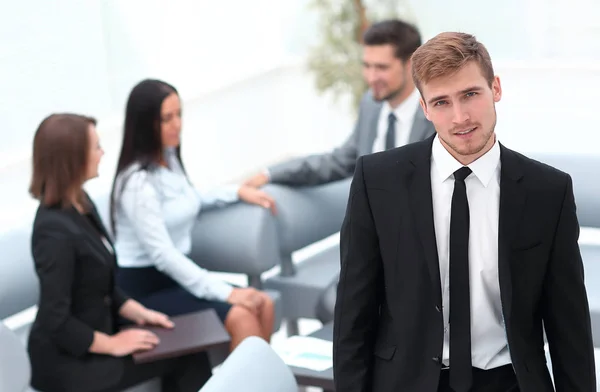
157, 291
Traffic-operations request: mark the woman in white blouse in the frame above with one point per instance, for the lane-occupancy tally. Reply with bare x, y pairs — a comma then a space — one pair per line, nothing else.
153, 210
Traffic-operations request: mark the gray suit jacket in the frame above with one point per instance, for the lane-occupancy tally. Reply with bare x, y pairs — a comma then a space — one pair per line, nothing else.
340, 163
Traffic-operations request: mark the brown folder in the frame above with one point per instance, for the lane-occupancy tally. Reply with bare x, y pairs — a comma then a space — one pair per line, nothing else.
193, 332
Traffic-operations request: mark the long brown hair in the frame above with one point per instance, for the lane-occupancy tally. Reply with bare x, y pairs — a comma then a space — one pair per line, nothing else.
141, 136
60, 159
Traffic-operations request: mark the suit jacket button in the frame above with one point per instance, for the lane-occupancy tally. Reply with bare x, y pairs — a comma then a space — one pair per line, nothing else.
437, 360
438, 308
107, 300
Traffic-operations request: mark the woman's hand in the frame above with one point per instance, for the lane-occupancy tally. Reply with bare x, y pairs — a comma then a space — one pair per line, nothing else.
152, 317
132, 340
253, 195
139, 314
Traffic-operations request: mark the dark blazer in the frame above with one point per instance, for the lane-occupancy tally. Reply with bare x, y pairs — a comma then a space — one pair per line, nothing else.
388, 330
77, 297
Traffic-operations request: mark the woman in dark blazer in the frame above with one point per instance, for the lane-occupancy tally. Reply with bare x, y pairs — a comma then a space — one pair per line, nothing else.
74, 344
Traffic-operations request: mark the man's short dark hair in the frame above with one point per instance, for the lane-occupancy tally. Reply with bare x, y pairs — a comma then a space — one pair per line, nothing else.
403, 36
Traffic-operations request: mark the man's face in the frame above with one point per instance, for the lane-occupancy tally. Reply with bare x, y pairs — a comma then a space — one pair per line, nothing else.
462, 108
385, 74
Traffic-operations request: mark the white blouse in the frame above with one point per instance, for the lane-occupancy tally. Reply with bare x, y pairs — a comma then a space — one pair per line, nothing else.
154, 216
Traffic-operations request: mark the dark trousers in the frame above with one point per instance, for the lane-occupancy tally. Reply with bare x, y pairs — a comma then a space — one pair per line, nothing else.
183, 374
500, 379
157, 291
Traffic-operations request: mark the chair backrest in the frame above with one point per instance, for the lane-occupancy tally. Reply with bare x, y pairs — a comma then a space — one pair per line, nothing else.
19, 287
308, 214
252, 367
15, 370
585, 172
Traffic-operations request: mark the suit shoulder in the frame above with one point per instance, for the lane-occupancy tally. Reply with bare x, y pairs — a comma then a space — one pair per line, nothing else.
542, 174
54, 219
398, 157
367, 102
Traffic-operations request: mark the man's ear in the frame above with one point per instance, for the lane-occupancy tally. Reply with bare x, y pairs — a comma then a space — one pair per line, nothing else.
497, 89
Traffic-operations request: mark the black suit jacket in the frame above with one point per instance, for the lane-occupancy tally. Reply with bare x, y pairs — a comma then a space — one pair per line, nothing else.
77, 297
388, 330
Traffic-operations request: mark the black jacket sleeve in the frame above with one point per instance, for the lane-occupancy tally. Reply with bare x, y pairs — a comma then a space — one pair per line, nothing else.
55, 259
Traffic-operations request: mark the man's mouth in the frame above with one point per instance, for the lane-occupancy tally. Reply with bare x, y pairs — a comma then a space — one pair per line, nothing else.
466, 131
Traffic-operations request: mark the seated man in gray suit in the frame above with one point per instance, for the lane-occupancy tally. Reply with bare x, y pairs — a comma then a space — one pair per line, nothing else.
389, 116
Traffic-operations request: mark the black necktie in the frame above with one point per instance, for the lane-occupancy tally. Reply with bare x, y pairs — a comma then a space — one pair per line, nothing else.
461, 377
390, 136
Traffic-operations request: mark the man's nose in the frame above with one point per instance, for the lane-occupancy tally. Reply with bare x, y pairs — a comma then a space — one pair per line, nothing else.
460, 114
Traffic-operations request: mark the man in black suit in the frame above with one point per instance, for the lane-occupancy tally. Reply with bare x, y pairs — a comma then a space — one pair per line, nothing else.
457, 252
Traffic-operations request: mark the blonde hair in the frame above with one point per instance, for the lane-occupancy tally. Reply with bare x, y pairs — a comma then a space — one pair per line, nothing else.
445, 54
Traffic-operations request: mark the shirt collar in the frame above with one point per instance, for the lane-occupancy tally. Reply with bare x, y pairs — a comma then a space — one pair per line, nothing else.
483, 168
406, 110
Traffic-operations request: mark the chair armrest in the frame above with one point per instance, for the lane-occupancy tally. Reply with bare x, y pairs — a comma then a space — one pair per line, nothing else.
15, 369
308, 214
239, 238
19, 286
583, 169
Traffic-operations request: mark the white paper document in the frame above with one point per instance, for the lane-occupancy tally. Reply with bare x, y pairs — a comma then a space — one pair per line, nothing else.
307, 352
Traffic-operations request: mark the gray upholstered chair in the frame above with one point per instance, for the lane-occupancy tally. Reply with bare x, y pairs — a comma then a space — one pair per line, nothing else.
585, 172
252, 367
18, 282
242, 237
306, 215
15, 371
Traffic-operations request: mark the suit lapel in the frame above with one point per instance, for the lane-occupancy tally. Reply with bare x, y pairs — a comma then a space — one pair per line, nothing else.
93, 236
372, 122
100, 224
422, 209
512, 202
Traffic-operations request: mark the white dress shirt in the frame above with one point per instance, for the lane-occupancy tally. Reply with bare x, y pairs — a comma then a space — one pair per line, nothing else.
154, 216
489, 345
405, 115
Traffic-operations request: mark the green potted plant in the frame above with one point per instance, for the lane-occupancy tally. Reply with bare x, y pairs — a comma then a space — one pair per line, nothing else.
336, 62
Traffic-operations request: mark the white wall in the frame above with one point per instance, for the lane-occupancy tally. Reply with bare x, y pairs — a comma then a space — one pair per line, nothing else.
51, 59
85, 56
519, 29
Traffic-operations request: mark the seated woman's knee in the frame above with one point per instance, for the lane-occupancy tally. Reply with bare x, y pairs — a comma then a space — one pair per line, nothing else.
239, 316
268, 303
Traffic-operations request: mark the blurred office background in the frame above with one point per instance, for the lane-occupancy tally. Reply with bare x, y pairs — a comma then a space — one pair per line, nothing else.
249, 98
